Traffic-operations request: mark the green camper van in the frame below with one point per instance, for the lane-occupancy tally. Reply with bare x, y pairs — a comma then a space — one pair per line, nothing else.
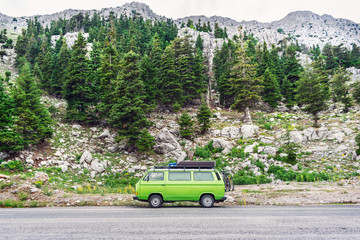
185, 181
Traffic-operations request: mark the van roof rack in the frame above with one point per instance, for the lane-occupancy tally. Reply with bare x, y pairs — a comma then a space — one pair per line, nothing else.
189, 165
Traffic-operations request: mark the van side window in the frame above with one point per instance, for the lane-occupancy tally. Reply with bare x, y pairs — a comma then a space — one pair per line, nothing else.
154, 176
203, 176
179, 176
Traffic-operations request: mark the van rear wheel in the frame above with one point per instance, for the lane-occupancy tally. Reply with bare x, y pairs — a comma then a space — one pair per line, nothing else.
207, 201
155, 201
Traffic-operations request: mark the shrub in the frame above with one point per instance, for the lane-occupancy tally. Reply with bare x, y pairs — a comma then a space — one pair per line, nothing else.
238, 153
13, 166
176, 107
206, 151
357, 140
186, 125
244, 177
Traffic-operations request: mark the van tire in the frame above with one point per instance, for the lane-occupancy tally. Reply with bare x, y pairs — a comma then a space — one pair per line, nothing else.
155, 201
207, 201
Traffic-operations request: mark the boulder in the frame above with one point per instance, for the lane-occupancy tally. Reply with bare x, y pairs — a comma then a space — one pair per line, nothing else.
270, 150
105, 134
86, 157
112, 149
230, 132
41, 176
249, 131
64, 168
339, 136
2, 176
76, 126
267, 140
166, 142
310, 134
178, 155
247, 117
4, 155
221, 143
250, 148
131, 159
296, 137
97, 166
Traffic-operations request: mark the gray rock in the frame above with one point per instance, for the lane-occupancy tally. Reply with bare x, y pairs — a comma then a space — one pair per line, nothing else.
112, 149
230, 132
250, 148
310, 134
41, 176
296, 137
76, 126
86, 157
75, 134
97, 166
30, 161
249, 131
270, 150
267, 140
226, 151
178, 155
165, 142
221, 143
143, 168
92, 174
339, 136
64, 168
4, 155
131, 159
105, 134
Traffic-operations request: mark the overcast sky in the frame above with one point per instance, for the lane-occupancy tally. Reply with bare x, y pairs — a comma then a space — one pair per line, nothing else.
261, 10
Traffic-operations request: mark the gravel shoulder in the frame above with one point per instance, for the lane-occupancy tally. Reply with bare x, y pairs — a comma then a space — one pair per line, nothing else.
291, 193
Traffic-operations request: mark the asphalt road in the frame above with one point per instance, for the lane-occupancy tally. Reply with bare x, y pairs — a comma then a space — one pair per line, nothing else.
248, 222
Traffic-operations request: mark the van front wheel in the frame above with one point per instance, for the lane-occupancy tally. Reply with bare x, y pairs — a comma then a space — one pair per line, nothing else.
207, 201
155, 201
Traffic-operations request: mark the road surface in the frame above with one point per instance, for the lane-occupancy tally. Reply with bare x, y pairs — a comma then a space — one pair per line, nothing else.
247, 222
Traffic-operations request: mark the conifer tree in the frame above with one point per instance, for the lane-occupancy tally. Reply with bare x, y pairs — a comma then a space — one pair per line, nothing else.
9, 139
246, 86
356, 92
199, 43
109, 68
341, 88
78, 89
312, 93
271, 92
203, 116
170, 85
129, 108
33, 120
186, 125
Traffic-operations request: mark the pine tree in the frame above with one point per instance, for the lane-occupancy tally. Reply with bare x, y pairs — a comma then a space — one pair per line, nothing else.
356, 92
170, 85
129, 108
9, 139
78, 90
186, 125
312, 93
203, 116
109, 68
341, 88
199, 43
145, 143
271, 92
246, 86
33, 121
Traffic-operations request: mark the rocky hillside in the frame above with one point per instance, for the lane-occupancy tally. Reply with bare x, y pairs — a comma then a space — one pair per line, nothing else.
306, 27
